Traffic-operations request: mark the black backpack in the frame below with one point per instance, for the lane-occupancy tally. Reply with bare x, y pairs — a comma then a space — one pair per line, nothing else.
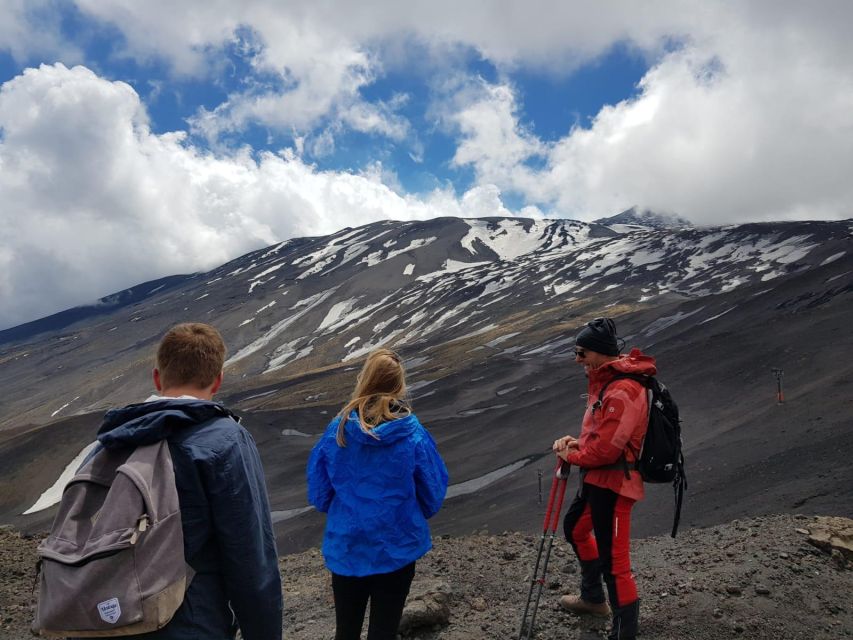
660, 458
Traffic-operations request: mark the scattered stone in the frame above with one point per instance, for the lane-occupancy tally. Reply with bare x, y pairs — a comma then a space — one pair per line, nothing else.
733, 590
478, 604
762, 590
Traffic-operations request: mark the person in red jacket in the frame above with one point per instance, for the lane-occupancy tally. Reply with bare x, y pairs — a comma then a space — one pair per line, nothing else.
598, 522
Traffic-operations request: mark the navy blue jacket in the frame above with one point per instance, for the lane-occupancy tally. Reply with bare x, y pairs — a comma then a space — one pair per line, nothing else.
378, 492
228, 535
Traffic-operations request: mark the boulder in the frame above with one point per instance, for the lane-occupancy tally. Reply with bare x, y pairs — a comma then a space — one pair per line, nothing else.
834, 535
428, 606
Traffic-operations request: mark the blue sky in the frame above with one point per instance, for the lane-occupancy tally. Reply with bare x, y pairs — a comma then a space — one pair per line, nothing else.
220, 127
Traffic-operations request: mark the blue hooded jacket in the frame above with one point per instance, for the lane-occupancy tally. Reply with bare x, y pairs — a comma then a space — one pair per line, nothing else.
228, 535
378, 493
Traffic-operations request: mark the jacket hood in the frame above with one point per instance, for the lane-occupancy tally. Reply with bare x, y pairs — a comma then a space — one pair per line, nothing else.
635, 362
149, 422
386, 433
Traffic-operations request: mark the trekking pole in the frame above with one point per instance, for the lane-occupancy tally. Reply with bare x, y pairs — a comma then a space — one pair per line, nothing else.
552, 517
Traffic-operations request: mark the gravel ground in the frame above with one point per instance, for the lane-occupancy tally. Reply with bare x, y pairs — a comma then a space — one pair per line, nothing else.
756, 578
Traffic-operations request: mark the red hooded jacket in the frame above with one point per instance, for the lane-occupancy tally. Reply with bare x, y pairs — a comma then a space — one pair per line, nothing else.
622, 420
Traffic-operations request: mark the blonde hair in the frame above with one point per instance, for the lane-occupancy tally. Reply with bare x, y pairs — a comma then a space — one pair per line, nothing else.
379, 394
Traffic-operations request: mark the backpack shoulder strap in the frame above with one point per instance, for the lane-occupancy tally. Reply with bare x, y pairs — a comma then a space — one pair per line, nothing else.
646, 381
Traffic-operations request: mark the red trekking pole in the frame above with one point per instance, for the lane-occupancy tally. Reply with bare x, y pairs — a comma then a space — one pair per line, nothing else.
552, 517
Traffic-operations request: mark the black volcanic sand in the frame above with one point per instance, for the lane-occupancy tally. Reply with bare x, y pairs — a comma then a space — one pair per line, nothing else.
755, 578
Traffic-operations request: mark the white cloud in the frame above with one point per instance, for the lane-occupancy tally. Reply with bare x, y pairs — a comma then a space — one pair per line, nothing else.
704, 146
31, 28
493, 141
746, 124
317, 67
323, 54
325, 87
95, 202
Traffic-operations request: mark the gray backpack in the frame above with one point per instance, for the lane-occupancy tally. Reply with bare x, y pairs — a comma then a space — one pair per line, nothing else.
113, 564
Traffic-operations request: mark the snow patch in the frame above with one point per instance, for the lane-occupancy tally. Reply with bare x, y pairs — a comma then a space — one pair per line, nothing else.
279, 327
832, 258
507, 238
63, 406
338, 310
287, 514
473, 412
503, 338
54, 494
376, 257
294, 432
370, 346
718, 315
287, 353
475, 484
662, 323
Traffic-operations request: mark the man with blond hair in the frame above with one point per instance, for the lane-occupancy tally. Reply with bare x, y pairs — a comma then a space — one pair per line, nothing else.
228, 535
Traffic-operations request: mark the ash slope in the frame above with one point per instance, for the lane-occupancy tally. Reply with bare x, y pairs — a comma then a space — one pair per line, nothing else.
484, 312
755, 579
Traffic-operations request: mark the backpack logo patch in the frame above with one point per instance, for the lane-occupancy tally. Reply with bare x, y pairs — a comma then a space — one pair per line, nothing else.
110, 610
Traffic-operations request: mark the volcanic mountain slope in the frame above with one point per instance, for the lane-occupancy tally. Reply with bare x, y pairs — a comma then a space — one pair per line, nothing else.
484, 312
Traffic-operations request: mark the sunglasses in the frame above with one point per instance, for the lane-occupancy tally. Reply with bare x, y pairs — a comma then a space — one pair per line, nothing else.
580, 354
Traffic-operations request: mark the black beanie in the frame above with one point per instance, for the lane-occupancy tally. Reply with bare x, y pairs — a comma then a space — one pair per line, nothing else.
599, 336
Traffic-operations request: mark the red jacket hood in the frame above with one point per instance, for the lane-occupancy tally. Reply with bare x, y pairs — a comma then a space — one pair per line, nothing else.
635, 362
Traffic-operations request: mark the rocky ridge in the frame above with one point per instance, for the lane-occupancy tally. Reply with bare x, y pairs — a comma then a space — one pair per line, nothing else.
785, 577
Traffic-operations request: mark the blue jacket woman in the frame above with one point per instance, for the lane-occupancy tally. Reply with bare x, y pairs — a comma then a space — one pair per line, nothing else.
379, 477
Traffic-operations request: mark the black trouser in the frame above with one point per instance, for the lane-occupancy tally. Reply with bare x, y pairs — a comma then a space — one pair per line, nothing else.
387, 593
598, 526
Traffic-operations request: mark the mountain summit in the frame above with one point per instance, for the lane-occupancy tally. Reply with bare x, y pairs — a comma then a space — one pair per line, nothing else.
646, 218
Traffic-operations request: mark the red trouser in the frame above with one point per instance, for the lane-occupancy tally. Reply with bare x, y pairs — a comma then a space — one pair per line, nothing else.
607, 515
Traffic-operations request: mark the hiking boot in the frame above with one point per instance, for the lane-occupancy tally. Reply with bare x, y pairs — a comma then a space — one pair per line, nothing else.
579, 606
625, 622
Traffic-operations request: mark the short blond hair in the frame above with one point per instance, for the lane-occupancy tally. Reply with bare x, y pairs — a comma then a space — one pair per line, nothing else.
190, 354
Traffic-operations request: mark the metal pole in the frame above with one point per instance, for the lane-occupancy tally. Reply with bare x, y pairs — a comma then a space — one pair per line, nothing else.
539, 473
780, 396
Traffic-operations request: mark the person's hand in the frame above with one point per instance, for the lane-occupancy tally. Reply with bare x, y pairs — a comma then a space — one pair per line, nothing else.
564, 446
